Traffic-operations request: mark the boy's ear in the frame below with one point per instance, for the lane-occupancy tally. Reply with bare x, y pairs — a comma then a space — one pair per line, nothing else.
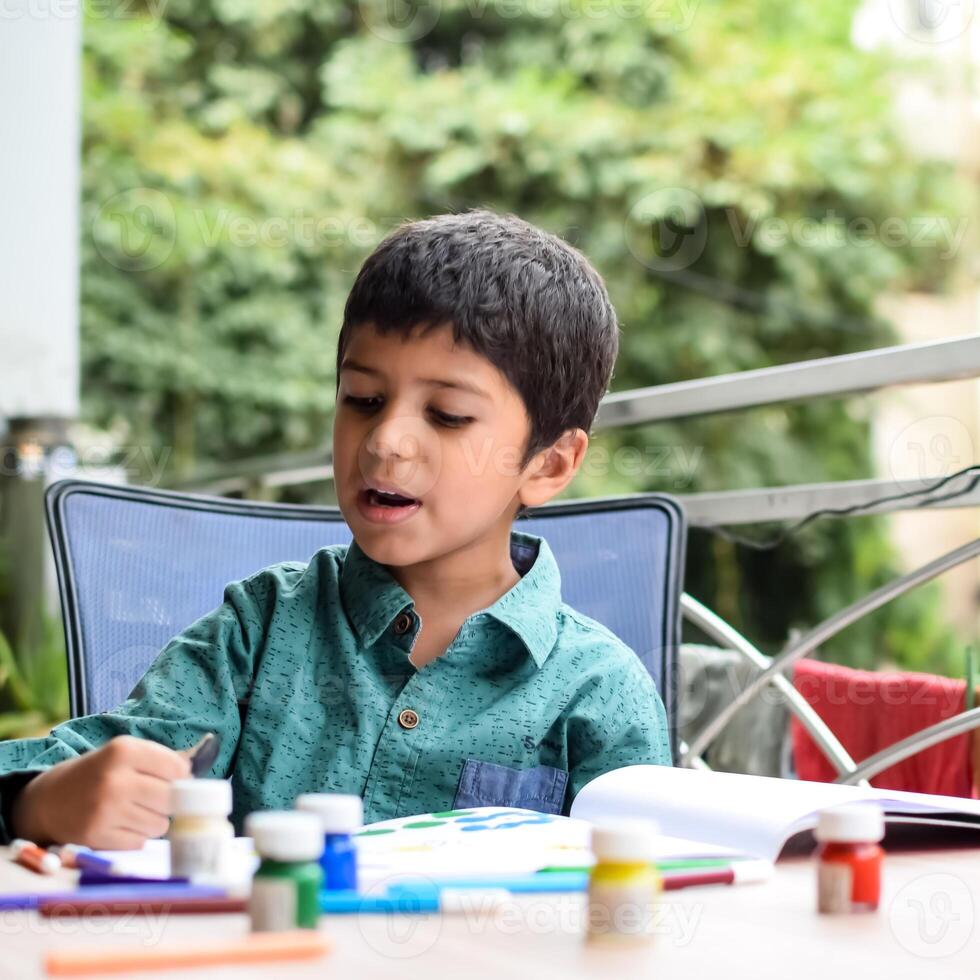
552, 469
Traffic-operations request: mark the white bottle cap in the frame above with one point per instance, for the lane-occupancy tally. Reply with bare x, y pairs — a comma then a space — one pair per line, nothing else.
200, 797
339, 813
285, 835
624, 839
851, 823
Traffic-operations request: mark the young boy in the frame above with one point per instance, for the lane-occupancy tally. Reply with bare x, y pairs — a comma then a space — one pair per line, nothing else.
431, 664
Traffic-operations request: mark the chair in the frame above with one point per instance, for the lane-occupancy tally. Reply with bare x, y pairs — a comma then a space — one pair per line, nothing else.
135, 565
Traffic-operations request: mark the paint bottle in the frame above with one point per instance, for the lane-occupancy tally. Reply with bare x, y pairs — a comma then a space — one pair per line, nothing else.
623, 883
849, 858
286, 887
200, 832
340, 814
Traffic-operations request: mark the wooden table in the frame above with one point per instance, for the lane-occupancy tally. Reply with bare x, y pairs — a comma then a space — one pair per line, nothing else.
926, 926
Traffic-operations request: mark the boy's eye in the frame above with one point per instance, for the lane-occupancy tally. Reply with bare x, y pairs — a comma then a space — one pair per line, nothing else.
372, 403
368, 404
451, 421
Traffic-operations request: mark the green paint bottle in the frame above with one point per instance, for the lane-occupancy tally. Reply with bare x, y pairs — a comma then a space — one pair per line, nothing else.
286, 887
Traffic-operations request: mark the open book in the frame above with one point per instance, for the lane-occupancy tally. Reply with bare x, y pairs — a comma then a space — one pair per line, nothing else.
754, 815
700, 815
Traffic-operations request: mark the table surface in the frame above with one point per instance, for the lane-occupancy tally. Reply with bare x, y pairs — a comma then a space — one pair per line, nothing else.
926, 922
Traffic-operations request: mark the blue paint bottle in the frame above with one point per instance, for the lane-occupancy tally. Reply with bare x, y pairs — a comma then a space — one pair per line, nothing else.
341, 815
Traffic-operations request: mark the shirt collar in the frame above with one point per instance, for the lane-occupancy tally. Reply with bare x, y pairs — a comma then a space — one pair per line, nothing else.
372, 598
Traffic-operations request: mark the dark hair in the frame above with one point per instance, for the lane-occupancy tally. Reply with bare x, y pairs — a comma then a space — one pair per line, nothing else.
526, 300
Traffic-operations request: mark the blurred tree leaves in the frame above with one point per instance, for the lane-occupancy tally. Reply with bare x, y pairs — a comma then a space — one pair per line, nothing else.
242, 156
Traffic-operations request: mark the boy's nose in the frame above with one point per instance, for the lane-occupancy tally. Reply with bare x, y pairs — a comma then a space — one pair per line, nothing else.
403, 450
397, 437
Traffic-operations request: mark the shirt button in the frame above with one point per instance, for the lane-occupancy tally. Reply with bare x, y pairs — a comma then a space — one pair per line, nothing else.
408, 718
403, 623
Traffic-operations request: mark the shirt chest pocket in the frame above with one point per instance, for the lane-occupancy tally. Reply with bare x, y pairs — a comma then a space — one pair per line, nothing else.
540, 788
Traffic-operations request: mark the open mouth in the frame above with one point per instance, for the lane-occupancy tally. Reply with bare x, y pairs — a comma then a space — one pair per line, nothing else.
382, 498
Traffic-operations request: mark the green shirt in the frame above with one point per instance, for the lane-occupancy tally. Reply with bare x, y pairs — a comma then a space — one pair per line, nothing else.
303, 671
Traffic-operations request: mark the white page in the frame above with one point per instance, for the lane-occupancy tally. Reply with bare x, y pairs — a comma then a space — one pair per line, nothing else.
511, 841
753, 814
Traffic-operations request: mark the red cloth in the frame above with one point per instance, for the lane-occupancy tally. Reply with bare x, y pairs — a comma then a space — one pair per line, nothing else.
870, 710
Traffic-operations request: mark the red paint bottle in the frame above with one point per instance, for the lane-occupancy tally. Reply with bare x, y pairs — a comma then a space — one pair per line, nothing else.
849, 858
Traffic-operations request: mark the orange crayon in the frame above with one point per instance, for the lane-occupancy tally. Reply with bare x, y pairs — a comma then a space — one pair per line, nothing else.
259, 947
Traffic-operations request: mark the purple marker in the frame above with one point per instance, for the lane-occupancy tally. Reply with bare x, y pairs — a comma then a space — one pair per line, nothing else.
149, 892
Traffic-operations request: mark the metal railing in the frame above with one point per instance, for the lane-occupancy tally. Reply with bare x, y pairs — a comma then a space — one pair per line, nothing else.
848, 374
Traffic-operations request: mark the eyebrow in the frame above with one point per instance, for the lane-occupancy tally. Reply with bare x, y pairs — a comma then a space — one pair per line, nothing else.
349, 365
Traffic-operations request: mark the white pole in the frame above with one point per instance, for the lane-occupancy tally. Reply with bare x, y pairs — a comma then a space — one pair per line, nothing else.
40, 53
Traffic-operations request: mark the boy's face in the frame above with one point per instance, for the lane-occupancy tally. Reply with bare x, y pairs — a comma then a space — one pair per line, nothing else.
438, 425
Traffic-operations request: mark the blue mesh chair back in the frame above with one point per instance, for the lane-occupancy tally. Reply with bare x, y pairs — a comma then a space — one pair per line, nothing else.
137, 565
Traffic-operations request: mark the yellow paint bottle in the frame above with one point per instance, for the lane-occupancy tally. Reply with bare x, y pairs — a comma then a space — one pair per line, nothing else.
624, 886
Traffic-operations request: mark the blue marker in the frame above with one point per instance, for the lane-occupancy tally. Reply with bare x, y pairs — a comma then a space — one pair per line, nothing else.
413, 898
341, 814
554, 881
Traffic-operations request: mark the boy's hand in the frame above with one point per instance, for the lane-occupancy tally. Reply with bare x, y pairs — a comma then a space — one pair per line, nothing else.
112, 798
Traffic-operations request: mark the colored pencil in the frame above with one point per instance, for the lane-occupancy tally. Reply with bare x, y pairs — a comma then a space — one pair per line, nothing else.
110, 893
79, 905
259, 947
740, 873
88, 879
672, 865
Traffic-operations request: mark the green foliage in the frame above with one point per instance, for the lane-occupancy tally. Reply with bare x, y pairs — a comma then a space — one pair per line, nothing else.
33, 685
240, 158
